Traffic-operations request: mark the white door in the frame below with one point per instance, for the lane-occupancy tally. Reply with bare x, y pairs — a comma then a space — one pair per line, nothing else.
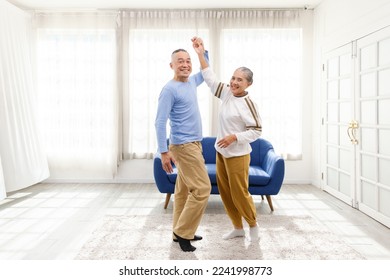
356, 124
373, 107
338, 168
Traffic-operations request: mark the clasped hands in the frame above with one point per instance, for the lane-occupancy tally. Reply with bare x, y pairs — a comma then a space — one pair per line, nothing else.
197, 43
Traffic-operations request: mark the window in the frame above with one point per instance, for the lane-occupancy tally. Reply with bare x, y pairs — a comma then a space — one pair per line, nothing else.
77, 98
275, 57
149, 57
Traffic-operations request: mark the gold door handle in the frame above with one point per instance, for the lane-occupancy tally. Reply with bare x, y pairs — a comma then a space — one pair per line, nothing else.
351, 131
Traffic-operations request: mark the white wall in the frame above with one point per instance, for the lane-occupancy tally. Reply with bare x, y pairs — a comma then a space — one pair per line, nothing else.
135, 171
337, 23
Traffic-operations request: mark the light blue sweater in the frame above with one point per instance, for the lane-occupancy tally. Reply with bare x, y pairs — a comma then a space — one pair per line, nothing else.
178, 102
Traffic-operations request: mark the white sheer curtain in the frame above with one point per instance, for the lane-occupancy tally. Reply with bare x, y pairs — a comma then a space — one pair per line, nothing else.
275, 57
23, 161
268, 42
78, 94
149, 38
2, 184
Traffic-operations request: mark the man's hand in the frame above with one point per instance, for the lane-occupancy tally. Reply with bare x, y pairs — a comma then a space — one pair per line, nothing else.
166, 161
197, 44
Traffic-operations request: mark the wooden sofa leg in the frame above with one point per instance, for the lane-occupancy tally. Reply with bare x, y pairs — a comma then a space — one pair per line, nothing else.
167, 198
262, 197
270, 202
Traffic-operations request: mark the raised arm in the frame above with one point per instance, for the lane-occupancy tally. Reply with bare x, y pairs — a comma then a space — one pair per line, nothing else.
198, 45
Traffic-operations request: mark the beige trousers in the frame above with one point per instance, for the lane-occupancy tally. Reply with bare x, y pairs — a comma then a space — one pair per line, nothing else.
232, 180
192, 189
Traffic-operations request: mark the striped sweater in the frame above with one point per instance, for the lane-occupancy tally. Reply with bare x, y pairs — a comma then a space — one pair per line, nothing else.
237, 115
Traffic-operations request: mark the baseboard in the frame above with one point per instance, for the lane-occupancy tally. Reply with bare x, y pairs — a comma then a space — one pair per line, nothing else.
142, 181
297, 182
98, 181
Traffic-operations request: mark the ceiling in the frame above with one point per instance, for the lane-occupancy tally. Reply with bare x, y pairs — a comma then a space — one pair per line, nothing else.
162, 4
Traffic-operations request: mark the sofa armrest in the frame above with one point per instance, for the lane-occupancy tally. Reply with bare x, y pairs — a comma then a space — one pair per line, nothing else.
161, 177
273, 164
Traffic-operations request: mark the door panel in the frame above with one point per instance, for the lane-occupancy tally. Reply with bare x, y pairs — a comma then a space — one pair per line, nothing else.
373, 106
384, 54
356, 122
384, 82
384, 140
384, 112
339, 166
368, 139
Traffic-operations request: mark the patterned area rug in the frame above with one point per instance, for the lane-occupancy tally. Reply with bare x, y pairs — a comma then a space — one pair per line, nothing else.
150, 238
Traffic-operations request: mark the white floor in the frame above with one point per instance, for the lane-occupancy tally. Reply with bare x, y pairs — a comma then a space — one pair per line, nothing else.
52, 221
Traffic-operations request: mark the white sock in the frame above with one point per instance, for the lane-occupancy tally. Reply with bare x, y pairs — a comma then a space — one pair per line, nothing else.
254, 233
234, 233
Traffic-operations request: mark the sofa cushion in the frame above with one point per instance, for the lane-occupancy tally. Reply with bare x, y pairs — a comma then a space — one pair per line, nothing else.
257, 176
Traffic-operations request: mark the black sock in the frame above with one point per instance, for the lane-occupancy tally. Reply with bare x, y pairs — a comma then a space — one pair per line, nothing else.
185, 244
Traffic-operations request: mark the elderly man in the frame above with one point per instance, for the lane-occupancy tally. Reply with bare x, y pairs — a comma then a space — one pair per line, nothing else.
178, 102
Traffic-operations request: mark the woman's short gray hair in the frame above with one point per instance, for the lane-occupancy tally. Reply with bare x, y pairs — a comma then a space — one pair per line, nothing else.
248, 73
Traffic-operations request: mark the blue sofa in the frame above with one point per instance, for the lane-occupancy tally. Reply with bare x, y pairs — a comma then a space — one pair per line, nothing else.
266, 171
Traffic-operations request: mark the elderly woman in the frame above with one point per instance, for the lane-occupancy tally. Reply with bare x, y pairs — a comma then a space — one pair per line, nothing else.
239, 125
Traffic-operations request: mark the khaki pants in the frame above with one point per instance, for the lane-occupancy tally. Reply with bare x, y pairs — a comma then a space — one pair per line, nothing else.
192, 188
232, 180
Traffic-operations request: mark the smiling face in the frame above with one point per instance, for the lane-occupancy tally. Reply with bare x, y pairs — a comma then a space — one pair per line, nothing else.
181, 65
239, 82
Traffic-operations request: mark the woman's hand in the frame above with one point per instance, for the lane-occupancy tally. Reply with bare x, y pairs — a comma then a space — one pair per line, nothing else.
226, 141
